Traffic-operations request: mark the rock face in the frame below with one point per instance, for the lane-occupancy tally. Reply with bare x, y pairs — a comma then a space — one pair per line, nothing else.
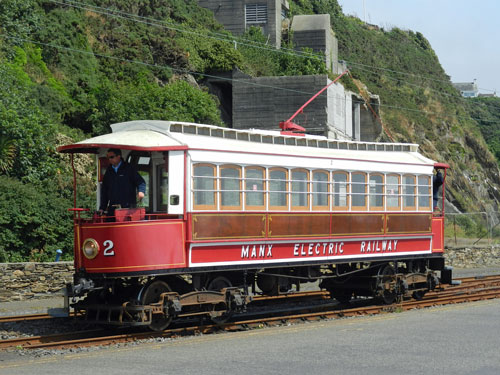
23, 281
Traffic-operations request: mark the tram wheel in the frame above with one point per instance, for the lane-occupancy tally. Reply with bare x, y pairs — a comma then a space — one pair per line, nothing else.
385, 275
217, 284
151, 294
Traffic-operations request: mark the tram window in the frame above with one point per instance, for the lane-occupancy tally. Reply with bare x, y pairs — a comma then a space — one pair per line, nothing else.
300, 191
340, 191
320, 191
278, 186
408, 192
162, 190
376, 191
204, 187
358, 191
424, 193
254, 188
393, 192
230, 187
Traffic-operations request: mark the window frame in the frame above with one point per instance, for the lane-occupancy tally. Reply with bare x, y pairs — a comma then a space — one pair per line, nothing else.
327, 193
205, 207
347, 192
286, 192
264, 189
404, 195
398, 194
382, 194
221, 191
429, 193
365, 194
307, 193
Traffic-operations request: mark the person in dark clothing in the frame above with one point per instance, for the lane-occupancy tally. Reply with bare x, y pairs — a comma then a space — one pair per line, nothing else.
437, 181
121, 186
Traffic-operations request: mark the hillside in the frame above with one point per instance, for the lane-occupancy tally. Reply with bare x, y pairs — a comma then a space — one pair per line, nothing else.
68, 69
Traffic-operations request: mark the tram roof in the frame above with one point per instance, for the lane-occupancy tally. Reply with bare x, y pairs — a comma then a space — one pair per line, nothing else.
153, 135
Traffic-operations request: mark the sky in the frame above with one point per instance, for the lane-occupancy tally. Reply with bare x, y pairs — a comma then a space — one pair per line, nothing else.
463, 33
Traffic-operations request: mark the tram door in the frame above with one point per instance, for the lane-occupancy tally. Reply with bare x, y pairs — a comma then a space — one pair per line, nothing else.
142, 161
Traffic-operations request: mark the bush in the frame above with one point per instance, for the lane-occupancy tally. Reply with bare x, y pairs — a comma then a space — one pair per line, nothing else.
34, 222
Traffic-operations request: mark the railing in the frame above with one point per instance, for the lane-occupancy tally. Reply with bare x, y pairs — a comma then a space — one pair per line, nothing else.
472, 229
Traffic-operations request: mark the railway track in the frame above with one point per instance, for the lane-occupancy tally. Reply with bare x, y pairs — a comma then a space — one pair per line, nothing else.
471, 289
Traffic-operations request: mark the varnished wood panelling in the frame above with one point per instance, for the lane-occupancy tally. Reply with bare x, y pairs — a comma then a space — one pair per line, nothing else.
350, 224
408, 223
223, 226
290, 225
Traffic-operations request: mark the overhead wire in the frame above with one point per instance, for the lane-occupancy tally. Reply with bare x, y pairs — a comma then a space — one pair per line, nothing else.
227, 38
145, 20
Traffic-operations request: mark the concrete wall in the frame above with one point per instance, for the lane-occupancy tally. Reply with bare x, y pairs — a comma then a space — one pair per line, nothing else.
231, 13
264, 102
315, 32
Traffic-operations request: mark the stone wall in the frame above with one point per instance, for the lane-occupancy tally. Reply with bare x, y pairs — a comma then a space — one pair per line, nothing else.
469, 257
22, 281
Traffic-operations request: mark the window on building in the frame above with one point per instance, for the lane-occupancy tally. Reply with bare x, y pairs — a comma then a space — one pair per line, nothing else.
255, 13
230, 187
300, 191
204, 187
278, 186
320, 189
340, 191
254, 188
358, 191
424, 193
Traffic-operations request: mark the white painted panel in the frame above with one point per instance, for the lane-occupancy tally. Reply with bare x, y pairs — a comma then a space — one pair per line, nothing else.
176, 181
309, 163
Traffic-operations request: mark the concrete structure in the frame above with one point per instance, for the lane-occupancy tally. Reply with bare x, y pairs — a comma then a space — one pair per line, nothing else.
238, 15
315, 32
266, 101
467, 89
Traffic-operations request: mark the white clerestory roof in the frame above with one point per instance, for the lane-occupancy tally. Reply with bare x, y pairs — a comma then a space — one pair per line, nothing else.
168, 135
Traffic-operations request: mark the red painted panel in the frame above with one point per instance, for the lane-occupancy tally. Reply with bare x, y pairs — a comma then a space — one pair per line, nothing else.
304, 250
438, 234
135, 246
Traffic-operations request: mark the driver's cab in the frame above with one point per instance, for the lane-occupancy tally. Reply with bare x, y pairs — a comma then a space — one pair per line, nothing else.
163, 172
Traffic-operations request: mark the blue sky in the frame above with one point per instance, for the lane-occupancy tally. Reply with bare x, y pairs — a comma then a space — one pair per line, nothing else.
463, 33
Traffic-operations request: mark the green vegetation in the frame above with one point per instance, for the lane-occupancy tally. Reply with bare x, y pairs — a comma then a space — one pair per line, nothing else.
68, 72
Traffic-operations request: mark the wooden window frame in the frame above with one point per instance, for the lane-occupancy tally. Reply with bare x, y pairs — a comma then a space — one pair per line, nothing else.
359, 208
287, 190
382, 207
205, 207
307, 193
404, 195
220, 192
347, 193
264, 190
429, 193
398, 194
328, 188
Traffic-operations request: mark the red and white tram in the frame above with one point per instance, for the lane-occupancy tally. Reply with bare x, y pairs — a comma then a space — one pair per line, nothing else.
234, 212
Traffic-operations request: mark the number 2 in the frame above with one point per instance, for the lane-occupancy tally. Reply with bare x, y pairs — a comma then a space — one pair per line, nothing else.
108, 251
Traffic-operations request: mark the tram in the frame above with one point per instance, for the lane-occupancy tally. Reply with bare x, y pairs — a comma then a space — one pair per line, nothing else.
229, 214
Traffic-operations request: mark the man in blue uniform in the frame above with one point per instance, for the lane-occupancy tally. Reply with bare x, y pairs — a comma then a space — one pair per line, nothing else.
121, 186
